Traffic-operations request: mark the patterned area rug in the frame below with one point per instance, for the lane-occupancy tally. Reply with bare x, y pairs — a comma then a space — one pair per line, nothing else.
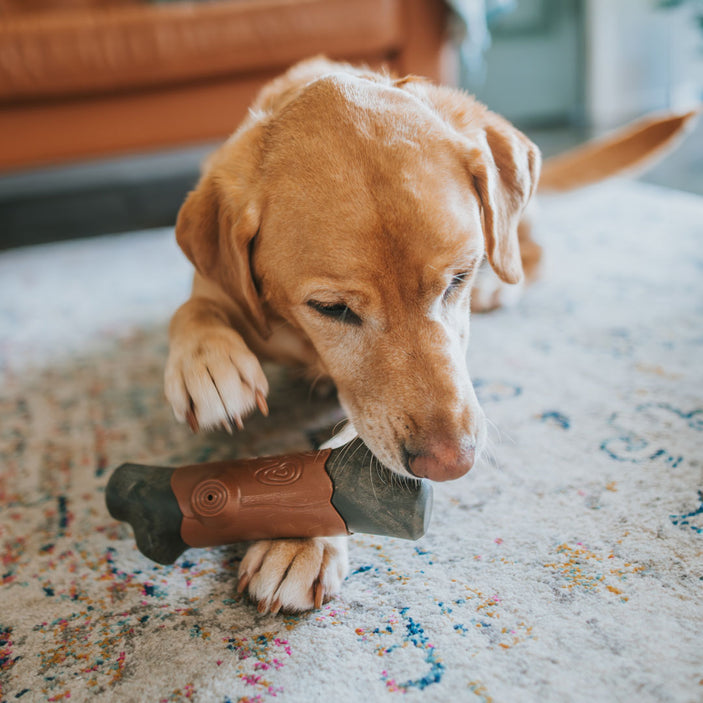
567, 566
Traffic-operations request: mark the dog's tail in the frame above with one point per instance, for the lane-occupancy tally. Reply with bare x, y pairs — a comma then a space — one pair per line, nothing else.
628, 150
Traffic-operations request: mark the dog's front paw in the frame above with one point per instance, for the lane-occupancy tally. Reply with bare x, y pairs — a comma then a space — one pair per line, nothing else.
214, 380
294, 574
490, 293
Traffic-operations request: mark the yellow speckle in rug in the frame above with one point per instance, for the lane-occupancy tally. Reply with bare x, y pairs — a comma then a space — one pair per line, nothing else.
657, 370
580, 568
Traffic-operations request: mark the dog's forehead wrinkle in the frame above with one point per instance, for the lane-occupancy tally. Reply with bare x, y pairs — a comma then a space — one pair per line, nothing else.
373, 97
371, 120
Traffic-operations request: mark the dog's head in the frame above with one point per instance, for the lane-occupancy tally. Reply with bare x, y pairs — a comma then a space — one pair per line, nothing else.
359, 213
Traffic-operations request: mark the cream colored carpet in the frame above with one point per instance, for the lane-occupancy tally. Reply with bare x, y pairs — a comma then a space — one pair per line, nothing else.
568, 568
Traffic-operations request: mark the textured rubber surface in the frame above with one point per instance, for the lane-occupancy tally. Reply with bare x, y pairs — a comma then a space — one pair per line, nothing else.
142, 496
373, 499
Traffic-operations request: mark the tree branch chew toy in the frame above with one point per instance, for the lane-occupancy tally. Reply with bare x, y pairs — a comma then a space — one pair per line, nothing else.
310, 494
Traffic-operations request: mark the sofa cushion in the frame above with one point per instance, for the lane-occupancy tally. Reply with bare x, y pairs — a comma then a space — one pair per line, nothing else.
101, 50
13, 6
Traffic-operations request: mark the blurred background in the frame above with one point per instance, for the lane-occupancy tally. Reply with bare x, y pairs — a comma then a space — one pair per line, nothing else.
107, 107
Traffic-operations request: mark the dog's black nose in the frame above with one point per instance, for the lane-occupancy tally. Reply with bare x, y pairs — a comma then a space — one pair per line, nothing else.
440, 459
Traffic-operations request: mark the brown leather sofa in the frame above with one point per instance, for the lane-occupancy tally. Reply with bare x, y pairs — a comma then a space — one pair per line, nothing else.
88, 78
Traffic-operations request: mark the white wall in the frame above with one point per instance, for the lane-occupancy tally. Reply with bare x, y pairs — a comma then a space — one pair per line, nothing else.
639, 58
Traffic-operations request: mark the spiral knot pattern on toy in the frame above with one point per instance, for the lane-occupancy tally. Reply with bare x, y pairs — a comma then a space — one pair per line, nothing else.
209, 498
280, 473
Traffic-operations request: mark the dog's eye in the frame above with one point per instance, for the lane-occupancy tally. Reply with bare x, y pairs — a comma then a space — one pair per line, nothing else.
456, 282
337, 311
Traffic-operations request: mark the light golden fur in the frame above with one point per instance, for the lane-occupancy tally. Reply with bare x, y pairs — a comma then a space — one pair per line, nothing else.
346, 187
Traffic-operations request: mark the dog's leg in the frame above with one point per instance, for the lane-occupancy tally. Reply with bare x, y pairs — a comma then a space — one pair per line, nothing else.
489, 292
212, 378
296, 574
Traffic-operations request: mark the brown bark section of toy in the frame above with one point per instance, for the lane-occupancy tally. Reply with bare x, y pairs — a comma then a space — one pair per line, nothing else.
262, 498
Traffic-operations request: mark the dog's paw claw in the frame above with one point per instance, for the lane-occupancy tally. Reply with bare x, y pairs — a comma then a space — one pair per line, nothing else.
215, 381
319, 594
192, 420
261, 402
243, 582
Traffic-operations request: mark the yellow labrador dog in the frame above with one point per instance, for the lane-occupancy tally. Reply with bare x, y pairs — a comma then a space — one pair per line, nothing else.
341, 229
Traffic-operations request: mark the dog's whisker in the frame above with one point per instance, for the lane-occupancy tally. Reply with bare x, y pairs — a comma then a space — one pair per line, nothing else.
345, 457
356, 450
335, 429
313, 385
489, 455
502, 433
494, 436
371, 469
492, 425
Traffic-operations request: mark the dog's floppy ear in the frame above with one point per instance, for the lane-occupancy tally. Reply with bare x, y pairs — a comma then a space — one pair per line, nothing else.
505, 170
503, 163
218, 221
